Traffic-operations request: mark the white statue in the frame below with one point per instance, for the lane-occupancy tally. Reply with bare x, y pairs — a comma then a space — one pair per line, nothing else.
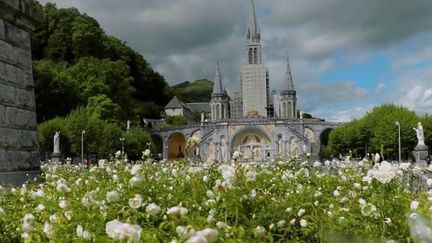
57, 142
202, 117
420, 134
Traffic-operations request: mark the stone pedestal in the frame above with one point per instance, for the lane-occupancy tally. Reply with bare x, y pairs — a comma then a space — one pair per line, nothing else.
19, 149
56, 158
420, 154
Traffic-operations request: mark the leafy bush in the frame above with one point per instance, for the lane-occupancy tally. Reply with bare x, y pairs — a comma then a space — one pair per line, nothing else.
136, 141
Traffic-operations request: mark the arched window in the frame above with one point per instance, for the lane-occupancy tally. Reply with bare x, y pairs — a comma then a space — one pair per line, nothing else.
250, 55
217, 112
255, 56
289, 110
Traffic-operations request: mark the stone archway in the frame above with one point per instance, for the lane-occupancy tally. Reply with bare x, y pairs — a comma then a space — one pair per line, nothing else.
324, 137
157, 145
176, 146
253, 143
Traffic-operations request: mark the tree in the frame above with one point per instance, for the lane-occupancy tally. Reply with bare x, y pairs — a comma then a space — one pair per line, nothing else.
136, 141
375, 130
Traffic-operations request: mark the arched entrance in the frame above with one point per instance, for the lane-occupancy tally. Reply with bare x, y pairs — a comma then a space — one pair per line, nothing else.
324, 139
176, 146
157, 146
253, 143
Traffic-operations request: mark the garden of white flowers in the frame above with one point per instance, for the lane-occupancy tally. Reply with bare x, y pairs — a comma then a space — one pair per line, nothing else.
97, 146
283, 201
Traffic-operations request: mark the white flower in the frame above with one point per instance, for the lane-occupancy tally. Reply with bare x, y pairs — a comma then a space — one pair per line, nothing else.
251, 176
205, 178
136, 180
146, 152
39, 208
414, 205
79, 230
194, 170
368, 209
153, 209
387, 220
112, 196
197, 239
53, 218
210, 194
28, 218
253, 193
259, 231
301, 212
123, 231
177, 211
2, 212
292, 222
185, 232
303, 222
221, 225
68, 215
336, 193
362, 201
38, 193
63, 203
281, 223
227, 172
288, 209
47, 229
101, 163
316, 164
384, 172
429, 182
211, 235
236, 155
136, 201
135, 169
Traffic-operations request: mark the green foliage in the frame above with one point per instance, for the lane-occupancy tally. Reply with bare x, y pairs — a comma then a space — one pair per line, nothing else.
176, 120
100, 138
197, 91
76, 60
104, 107
376, 131
135, 142
46, 131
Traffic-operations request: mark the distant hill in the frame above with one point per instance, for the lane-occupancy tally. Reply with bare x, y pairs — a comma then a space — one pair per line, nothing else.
196, 91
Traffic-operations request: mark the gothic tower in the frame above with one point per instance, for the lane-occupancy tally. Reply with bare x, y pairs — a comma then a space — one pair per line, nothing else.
254, 79
288, 100
219, 104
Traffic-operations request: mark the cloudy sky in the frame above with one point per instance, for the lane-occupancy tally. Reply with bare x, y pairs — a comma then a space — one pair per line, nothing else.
346, 56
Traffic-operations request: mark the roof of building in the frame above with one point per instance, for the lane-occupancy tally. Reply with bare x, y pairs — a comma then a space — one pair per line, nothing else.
176, 102
199, 106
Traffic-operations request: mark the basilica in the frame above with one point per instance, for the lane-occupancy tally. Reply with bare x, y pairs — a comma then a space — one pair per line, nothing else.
258, 125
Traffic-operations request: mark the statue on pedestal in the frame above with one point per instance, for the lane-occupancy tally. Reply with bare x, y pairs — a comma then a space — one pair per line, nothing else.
56, 155
56, 143
420, 134
421, 150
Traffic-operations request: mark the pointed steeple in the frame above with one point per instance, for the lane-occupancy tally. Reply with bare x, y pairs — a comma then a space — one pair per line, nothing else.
289, 84
217, 85
253, 31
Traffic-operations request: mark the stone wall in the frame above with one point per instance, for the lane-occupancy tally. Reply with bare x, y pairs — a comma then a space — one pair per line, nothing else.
19, 150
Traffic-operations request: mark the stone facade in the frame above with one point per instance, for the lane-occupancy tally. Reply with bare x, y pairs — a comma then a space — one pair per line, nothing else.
19, 150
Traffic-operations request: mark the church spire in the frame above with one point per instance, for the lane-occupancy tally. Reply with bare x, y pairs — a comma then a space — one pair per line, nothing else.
217, 85
289, 84
253, 31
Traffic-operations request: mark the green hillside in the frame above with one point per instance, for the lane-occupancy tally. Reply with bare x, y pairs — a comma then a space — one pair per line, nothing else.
196, 91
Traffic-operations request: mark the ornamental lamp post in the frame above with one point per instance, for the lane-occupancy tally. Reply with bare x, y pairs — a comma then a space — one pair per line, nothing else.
122, 145
397, 123
82, 146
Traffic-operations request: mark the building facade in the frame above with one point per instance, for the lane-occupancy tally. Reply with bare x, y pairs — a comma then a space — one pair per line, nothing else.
259, 126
